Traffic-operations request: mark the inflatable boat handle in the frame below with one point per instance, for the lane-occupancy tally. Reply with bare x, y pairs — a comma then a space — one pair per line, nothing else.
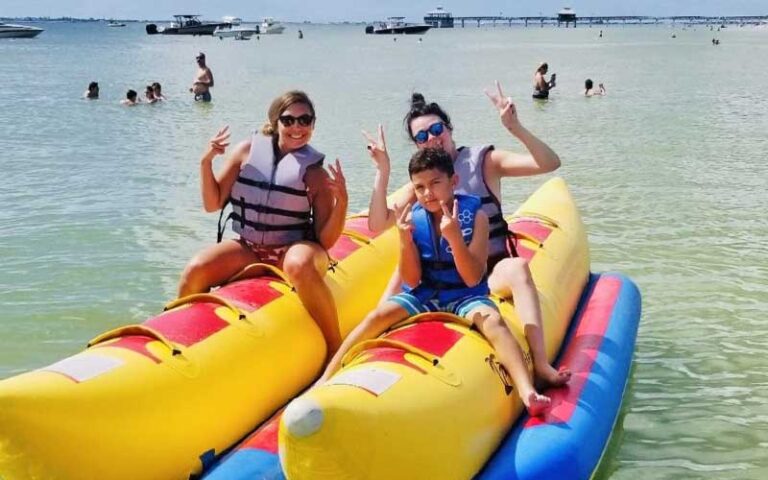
535, 216
135, 330
205, 298
259, 269
356, 236
386, 342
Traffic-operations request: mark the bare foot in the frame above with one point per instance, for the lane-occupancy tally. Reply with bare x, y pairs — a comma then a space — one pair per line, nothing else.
536, 403
549, 377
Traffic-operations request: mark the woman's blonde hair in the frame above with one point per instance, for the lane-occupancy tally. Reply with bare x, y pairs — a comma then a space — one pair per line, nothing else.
280, 104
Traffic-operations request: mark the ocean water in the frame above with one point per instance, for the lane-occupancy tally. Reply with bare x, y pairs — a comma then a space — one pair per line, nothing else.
100, 206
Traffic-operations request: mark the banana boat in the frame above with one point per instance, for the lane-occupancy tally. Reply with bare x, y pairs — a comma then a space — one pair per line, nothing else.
161, 399
568, 442
427, 400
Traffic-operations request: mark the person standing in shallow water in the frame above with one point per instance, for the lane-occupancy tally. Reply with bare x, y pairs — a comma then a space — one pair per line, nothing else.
287, 210
479, 170
201, 86
542, 86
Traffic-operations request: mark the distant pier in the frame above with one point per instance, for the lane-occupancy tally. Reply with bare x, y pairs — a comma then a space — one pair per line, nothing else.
611, 20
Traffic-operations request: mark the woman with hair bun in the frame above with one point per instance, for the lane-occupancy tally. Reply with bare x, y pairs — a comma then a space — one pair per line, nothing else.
479, 170
286, 209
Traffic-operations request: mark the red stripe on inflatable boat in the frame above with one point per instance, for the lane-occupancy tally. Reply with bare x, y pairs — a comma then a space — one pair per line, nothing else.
345, 246
265, 438
135, 344
433, 337
531, 228
188, 326
582, 352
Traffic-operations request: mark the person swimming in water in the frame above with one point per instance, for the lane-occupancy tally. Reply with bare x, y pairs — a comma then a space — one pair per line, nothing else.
93, 91
590, 90
131, 98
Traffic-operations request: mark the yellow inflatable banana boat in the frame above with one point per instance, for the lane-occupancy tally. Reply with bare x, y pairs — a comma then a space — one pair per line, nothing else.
428, 400
160, 400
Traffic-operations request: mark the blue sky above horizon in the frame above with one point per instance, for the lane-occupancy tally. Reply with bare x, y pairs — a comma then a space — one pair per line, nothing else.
367, 10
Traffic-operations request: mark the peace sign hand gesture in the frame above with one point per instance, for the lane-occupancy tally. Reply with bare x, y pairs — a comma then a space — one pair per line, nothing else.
377, 149
404, 219
337, 183
219, 143
449, 223
507, 109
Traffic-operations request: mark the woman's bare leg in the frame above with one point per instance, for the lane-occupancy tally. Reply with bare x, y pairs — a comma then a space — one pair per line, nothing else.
305, 264
214, 265
511, 277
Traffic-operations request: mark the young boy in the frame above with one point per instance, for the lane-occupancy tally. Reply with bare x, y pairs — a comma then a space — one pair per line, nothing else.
443, 255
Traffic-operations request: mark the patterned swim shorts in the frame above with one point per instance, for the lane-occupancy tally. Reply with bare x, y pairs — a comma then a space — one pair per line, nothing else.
271, 255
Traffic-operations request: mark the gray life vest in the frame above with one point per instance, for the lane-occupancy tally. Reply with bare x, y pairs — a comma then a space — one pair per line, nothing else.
270, 205
469, 167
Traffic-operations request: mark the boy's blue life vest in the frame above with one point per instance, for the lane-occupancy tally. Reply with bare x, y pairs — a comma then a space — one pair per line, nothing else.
439, 277
269, 199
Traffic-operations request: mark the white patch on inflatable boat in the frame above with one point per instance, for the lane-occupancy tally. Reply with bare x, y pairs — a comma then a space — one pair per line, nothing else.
84, 367
371, 379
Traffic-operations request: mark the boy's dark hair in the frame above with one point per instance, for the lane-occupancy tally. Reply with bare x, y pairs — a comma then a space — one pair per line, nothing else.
92, 85
419, 108
131, 94
429, 159
156, 85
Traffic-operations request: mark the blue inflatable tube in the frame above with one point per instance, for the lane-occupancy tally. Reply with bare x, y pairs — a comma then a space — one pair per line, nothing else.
569, 441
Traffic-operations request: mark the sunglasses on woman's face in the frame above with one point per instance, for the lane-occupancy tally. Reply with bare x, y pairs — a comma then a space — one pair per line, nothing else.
304, 120
436, 129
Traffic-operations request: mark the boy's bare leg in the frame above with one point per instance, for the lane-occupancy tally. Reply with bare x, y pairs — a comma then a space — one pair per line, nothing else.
512, 278
493, 328
374, 324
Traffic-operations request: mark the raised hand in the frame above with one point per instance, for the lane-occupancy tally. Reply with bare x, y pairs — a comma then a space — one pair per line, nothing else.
377, 149
506, 108
449, 223
219, 143
404, 219
336, 182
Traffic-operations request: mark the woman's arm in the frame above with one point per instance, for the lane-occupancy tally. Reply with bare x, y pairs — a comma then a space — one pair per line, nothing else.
500, 163
329, 199
215, 188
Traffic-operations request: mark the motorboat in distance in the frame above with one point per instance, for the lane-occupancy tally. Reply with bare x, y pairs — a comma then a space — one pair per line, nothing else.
396, 25
115, 24
8, 30
186, 25
271, 26
238, 32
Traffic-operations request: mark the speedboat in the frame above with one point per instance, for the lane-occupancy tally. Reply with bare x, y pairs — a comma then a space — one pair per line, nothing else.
186, 25
238, 32
8, 30
397, 25
271, 26
115, 24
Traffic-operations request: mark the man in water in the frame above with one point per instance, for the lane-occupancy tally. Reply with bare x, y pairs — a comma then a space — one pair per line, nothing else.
203, 80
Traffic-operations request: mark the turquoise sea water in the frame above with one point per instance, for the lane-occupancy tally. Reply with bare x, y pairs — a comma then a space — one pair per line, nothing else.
100, 208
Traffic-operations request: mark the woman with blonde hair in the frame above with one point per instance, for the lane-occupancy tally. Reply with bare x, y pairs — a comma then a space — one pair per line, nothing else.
286, 209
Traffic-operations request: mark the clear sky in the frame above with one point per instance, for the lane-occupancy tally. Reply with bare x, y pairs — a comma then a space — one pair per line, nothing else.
367, 10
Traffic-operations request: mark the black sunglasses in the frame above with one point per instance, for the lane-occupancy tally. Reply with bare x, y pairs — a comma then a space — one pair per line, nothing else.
304, 120
436, 129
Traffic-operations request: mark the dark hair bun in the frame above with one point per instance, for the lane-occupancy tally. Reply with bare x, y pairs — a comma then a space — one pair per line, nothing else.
417, 99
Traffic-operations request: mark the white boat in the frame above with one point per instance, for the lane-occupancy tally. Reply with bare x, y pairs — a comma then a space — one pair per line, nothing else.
270, 26
238, 32
115, 24
8, 30
395, 25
